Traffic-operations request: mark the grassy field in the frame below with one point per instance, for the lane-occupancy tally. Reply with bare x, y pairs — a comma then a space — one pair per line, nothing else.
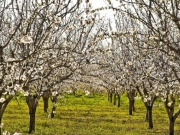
87, 115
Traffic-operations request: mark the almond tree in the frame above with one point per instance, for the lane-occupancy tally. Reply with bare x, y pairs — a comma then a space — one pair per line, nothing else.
161, 20
11, 77
35, 28
70, 50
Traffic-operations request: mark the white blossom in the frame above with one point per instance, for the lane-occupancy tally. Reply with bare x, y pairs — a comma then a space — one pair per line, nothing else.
11, 30
54, 104
16, 133
170, 103
17, 87
54, 111
157, 94
6, 133
54, 93
23, 77
2, 100
145, 100
26, 39
87, 92
69, 91
1, 125
26, 93
163, 99
12, 93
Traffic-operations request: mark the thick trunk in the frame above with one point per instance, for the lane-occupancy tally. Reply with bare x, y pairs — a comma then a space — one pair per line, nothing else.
131, 95
131, 106
45, 97
32, 114
149, 116
46, 105
171, 126
119, 100
114, 99
32, 102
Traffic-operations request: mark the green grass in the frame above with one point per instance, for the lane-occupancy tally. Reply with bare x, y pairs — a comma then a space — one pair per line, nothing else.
92, 115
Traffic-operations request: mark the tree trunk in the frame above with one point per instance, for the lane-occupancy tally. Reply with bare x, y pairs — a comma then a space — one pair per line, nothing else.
1, 115
32, 113
149, 116
110, 97
54, 101
171, 125
74, 92
131, 95
131, 106
114, 99
32, 102
2, 109
46, 104
119, 100
45, 97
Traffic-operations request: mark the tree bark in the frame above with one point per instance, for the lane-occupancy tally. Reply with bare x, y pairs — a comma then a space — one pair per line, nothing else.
110, 97
131, 102
119, 100
114, 99
32, 102
171, 125
54, 101
134, 106
172, 118
32, 114
2, 109
45, 97
46, 104
149, 116
131, 95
